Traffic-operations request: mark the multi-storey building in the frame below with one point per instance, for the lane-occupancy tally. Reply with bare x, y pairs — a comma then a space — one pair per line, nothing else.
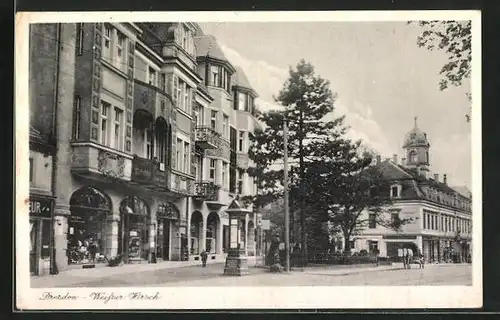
441, 216
152, 138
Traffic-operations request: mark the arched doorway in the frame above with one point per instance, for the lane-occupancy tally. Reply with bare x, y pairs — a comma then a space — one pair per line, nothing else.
196, 227
167, 224
87, 230
212, 236
251, 239
134, 242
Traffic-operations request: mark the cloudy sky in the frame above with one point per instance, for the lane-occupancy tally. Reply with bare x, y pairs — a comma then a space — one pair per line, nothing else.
383, 80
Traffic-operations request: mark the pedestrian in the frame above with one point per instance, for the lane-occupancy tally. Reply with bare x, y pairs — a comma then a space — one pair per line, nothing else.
204, 256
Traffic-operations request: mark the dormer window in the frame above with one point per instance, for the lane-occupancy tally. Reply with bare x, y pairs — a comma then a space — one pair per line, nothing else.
395, 191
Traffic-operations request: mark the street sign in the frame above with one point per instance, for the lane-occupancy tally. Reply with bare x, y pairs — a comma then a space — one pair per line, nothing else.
266, 224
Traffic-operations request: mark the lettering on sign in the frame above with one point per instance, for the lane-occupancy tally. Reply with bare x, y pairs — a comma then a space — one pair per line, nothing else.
40, 207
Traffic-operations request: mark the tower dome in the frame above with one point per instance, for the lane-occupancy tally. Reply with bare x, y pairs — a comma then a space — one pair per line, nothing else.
416, 138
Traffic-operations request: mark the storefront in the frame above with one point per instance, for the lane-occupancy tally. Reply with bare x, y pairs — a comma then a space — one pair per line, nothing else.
88, 227
167, 234
41, 234
134, 239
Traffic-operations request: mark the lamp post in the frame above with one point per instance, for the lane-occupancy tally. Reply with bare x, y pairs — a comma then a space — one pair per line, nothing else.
285, 185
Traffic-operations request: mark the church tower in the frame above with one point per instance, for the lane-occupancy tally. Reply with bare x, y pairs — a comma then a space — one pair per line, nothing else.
416, 148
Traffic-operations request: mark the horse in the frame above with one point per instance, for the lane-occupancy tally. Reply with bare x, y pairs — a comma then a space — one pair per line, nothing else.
408, 259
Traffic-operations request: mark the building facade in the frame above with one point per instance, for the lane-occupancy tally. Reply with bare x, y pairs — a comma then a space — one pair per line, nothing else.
151, 141
441, 216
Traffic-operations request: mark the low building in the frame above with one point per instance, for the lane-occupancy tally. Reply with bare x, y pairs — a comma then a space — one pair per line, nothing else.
441, 217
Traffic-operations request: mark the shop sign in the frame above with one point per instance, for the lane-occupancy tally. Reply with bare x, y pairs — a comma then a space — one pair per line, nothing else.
400, 237
40, 207
142, 170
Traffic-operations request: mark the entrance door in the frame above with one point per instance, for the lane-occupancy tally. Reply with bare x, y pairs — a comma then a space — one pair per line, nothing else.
34, 243
166, 239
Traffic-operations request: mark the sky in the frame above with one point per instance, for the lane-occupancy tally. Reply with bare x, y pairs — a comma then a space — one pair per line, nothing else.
382, 78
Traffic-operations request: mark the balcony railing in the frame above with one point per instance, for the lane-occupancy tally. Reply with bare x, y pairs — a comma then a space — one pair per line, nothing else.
150, 173
207, 138
206, 190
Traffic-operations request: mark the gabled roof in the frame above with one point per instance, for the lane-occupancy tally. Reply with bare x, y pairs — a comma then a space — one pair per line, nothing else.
392, 171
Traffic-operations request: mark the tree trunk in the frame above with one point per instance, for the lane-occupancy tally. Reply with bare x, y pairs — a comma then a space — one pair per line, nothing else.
302, 191
347, 243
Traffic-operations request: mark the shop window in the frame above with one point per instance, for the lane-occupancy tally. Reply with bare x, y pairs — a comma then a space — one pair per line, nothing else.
87, 226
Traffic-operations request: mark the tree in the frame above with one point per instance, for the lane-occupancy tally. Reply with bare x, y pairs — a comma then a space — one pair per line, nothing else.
348, 190
454, 38
306, 99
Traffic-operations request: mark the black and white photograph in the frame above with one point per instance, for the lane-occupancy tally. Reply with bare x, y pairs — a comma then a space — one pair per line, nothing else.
248, 160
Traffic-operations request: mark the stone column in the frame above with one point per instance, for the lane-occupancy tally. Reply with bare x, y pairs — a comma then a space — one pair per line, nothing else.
246, 234
61, 214
111, 236
62, 180
219, 240
218, 173
203, 236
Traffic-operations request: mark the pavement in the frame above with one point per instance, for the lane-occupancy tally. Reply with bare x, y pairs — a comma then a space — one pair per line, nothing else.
191, 273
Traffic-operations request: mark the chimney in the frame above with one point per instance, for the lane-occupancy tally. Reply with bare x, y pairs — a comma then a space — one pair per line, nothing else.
379, 159
436, 177
403, 161
444, 179
395, 158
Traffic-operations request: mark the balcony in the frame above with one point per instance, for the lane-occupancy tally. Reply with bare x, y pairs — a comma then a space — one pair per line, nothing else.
150, 173
207, 138
91, 160
181, 184
206, 190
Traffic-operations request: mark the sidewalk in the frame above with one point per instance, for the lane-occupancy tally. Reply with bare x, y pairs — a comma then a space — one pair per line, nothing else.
73, 276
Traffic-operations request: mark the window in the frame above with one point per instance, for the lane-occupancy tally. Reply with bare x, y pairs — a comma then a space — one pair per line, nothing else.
187, 153
79, 39
372, 223
240, 181
107, 36
148, 140
213, 120
215, 75
394, 191
104, 123
76, 118
120, 46
118, 135
241, 140
224, 174
152, 77
179, 155
242, 101
225, 126
212, 169
187, 100
163, 82
31, 169
413, 157
395, 218
352, 244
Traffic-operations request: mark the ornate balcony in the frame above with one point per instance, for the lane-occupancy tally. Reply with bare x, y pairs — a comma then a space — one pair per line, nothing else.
99, 162
150, 173
181, 184
207, 138
206, 190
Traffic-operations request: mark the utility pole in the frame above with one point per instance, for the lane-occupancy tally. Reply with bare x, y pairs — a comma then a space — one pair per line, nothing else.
285, 184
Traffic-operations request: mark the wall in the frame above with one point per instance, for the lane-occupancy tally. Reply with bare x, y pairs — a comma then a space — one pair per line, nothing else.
42, 173
42, 76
